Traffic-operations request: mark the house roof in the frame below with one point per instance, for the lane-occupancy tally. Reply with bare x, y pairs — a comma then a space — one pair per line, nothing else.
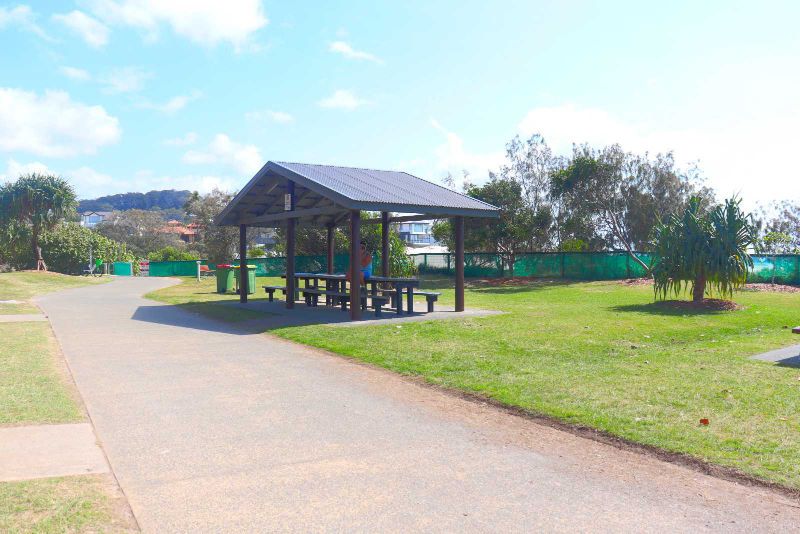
326, 194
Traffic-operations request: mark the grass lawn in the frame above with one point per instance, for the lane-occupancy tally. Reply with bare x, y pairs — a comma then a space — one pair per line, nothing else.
68, 504
601, 354
21, 286
36, 389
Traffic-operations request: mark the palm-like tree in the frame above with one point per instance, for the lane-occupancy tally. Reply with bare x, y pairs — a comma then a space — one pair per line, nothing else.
38, 202
702, 248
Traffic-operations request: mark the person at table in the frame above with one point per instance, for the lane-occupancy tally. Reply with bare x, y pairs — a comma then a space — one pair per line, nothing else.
366, 264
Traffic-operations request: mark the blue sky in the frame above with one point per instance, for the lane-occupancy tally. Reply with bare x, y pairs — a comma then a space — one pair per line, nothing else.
132, 95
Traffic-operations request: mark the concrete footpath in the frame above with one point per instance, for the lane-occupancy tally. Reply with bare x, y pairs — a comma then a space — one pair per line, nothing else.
208, 428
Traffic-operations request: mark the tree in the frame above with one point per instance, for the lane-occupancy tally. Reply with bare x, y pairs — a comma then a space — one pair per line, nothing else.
142, 230
218, 243
517, 227
785, 221
36, 203
703, 247
621, 192
172, 254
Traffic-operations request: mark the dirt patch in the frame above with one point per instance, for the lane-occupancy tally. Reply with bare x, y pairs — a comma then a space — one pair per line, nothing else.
705, 304
637, 282
777, 288
511, 282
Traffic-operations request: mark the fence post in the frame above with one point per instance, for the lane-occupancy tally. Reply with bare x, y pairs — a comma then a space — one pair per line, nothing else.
448, 263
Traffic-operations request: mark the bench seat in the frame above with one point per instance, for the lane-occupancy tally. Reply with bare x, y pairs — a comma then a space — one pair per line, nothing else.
430, 296
272, 289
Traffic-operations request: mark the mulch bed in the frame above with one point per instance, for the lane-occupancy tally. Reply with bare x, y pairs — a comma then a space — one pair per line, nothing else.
706, 304
777, 288
510, 282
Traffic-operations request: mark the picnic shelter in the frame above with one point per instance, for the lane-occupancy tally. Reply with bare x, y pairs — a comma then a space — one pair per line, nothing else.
290, 194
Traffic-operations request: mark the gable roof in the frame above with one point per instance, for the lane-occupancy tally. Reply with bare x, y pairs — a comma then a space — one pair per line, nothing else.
325, 194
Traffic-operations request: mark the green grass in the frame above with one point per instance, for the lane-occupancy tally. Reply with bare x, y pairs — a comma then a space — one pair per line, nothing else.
601, 354
69, 504
34, 389
21, 286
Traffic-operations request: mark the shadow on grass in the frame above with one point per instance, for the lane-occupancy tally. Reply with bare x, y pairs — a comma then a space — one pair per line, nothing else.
667, 309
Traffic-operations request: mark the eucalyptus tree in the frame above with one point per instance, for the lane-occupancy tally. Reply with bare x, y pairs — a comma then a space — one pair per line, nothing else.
704, 247
33, 204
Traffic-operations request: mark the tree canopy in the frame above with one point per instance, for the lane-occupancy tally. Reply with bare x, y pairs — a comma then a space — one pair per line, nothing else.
33, 204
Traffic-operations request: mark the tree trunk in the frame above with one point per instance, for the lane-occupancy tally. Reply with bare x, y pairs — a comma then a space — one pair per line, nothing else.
37, 253
699, 289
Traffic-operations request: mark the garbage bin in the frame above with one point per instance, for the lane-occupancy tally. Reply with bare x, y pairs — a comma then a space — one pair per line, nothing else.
251, 278
224, 277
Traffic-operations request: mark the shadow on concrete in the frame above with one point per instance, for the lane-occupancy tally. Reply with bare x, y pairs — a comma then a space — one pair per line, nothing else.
232, 317
189, 317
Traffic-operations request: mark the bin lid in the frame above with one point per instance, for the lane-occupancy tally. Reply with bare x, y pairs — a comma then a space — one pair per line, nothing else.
224, 266
248, 266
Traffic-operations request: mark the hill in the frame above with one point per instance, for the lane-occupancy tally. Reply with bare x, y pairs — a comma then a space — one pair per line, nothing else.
165, 200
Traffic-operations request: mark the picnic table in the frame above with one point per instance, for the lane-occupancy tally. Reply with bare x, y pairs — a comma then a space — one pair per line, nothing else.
338, 283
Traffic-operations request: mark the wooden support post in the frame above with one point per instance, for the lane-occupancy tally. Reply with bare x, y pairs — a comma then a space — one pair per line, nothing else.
290, 249
459, 229
331, 247
243, 285
355, 265
385, 243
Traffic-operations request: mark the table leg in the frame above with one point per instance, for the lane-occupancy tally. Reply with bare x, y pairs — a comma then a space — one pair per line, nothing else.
398, 299
410, 299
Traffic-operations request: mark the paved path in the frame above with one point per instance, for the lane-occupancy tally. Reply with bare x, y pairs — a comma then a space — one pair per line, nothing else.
41, 451
211, 429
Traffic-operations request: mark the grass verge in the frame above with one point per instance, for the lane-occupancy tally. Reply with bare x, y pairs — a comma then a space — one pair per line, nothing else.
35, 388
604, 356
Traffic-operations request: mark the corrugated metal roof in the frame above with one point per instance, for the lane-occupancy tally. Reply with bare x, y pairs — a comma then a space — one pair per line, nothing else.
326, 194
376, 186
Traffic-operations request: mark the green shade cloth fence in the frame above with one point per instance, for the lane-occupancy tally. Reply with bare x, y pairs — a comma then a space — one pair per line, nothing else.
782, 268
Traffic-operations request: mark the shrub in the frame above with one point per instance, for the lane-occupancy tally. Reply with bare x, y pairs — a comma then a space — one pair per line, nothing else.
170, 253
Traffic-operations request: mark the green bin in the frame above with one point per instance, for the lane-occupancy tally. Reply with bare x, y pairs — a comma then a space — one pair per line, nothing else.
251, 278
225, 279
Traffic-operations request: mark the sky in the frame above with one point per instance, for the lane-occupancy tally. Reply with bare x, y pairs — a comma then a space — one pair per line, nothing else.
135, 95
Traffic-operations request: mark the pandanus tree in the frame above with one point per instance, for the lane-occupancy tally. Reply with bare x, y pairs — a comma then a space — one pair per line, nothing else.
36, 203
703, 248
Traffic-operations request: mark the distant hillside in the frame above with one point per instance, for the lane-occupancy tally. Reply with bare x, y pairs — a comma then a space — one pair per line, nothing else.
167, 199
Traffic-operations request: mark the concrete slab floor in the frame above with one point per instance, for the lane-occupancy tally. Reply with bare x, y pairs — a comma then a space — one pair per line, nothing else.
787, 356
44, 451
276, 315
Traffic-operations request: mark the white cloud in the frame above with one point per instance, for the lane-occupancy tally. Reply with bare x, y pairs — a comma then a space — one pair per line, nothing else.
342, 99
745, 156
15, 169
86, 181
22, 17
91, 30
206, 22
188, 139
246, 159
75, 73
53, 125
173, 105
125, 80
344, 48
453, 157
280, 117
